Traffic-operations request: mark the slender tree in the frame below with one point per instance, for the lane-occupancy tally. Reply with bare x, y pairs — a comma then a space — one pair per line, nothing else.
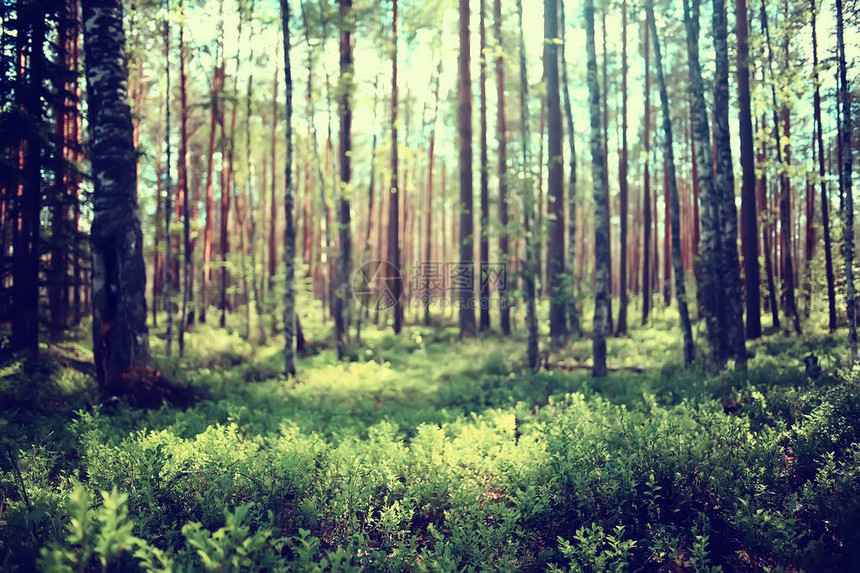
601, 229
530, 265
467, 255
646, 187
289, 221
182, 184
484, 247
573, 311
724, 189
621, 326
120, 335
749, 211
344, 295
669, 155
555, 209
822, 181
394, 280
501, 138
846, 162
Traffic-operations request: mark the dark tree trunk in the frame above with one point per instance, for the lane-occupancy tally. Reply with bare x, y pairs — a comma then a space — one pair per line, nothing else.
466, 268
752, 278
394, 279
185, 199
120, 335
680, 294
555, 187
484, 253
601, 228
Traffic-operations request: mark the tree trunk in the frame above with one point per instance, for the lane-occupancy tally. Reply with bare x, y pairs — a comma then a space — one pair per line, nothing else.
784, 188
573, 311
752, 278
646, 183
344, 292
466, 270
501, 137
846, 162
822, 181
290, 320
530, 265
724, 190
680, 294
484, 247
621, 327
601, 228
120, 335
394, 278
185, 199
555, 191
431, 158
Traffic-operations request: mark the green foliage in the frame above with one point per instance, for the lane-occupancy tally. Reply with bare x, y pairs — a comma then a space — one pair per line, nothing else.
425, 456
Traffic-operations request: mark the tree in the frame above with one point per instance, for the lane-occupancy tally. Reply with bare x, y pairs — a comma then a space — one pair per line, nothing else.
501, 137
184, 198
601, 227
724, 193
555, 211
573, 311
289, 226
749, 210
343, 296
530, 266
621, 327
120, 335
669, 157
394, 282
846, 162
467, 255
646, 186
825, 200
484, 246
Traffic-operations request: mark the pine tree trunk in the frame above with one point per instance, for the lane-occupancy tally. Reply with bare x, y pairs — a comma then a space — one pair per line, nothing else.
120, 335
680, 294
724, 189
530, 265
428, 222
290, 320
484, 247
555, 191
752, 278
466, 270
394, 278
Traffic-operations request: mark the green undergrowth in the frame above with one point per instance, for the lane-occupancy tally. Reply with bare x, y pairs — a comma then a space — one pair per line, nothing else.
425, 453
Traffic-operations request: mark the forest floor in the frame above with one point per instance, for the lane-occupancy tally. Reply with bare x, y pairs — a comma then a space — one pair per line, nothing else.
427, 453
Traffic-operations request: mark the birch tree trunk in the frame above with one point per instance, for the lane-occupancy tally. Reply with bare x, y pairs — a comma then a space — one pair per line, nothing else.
289, 221
120, 335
